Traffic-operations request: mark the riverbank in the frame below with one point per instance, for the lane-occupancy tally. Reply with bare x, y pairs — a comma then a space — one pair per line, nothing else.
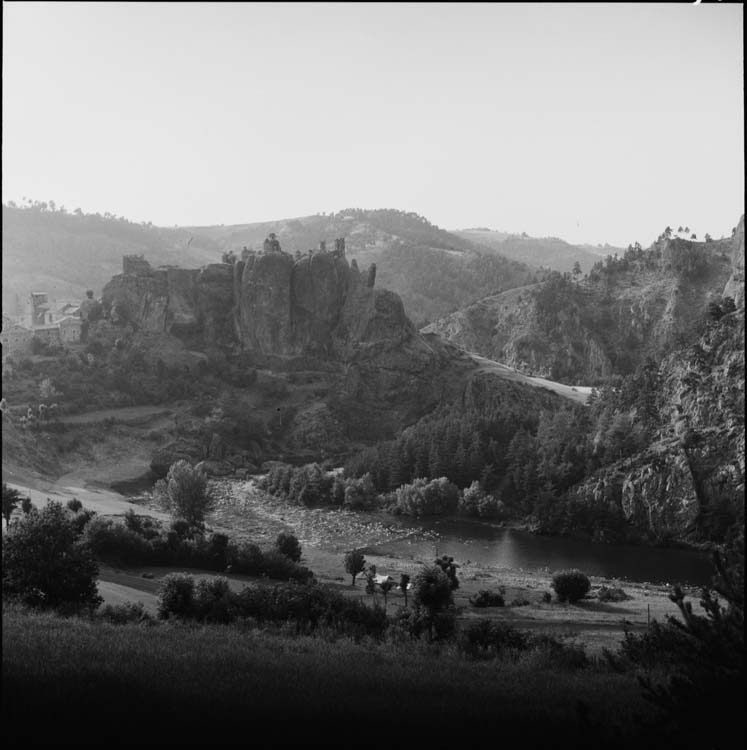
245, 512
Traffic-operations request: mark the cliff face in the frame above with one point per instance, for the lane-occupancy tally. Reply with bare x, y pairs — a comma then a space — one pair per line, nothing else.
735, 286
268, 302
607, 323
689, 481
312, 308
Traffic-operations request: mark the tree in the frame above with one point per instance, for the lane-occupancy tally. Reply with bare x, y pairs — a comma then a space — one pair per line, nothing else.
186, 494
355, 563
702, 656
404, 582
26, 505
668, 232
288, 545
432, 593
386, 586
576, 270
11, 498
708, 237
46, 564
449, 567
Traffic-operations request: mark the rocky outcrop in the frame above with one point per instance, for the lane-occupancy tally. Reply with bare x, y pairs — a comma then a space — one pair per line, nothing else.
688, 485
611, 321
269, 302
195, 305
735, 286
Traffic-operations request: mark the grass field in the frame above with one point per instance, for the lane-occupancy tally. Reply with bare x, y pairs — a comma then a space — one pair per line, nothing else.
95, 682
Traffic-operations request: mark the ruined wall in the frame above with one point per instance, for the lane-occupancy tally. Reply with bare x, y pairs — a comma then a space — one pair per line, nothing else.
268, 302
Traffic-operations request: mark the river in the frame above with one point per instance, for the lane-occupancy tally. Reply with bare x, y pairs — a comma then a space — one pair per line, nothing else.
491, 545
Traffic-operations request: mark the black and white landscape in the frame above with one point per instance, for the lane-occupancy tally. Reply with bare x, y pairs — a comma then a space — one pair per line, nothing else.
465, 463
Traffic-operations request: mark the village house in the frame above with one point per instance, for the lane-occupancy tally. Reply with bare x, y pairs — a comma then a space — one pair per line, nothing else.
15, 339
70, 329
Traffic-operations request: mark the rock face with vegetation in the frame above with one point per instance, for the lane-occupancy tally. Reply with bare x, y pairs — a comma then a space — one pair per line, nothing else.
688, 482
584, 329
317, 308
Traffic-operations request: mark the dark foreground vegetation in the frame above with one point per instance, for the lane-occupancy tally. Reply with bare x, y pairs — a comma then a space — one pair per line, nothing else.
302, 661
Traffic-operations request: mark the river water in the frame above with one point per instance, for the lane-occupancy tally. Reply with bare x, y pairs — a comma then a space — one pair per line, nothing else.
491, 545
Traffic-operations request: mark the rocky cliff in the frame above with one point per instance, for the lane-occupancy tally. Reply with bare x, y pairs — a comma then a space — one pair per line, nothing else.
688, 484
608, 322
268, 302
735, 286
291, 311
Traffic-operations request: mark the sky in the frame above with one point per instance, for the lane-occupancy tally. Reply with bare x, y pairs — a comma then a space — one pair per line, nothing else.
591, 122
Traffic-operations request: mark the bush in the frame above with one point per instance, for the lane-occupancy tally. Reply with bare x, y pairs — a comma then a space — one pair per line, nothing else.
606, 594
571, 585
555, 653
276, 565
116, 543
74, 504
45, 562
212, 601
176, 597
287, 544
11, 498
487, 598
122, 614
487, 639
520, 601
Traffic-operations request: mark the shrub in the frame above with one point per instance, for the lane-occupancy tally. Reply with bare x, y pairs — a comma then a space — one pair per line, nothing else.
546, 597
606, 594
176, 596
520, 601
571, 585
114, 542
276, 565
45, 563
449, 567
557, 654
11, 498
212, 601
487, 639
121, 614
287, 544
74, 504
487, 598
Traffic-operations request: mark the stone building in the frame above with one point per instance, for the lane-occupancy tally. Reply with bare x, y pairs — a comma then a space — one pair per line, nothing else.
70, 329
15, 339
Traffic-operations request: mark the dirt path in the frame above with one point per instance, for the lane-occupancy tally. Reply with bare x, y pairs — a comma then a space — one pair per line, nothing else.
578, 393
123, 414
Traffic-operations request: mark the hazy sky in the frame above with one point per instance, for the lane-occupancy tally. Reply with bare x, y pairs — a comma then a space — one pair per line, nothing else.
595, 123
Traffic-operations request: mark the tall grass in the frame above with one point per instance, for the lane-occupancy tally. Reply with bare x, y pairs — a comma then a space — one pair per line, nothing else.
94, 681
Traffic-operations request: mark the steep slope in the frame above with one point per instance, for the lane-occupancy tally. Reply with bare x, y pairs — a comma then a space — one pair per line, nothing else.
623, 311
549, 252
688, 483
